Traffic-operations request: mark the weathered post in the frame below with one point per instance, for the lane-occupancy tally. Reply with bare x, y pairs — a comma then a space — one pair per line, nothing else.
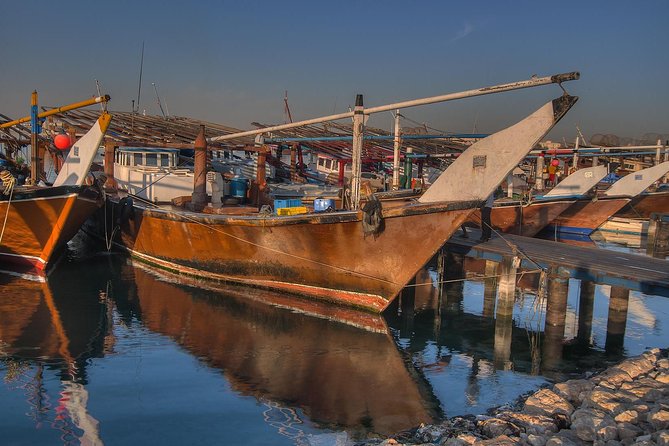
556, 316
356, 164
408, 168
539, 176
658, 152
110, 182
396, 152
586, 309
504, 313
489, 289
617, 322
199, 197
293, 161
575, 162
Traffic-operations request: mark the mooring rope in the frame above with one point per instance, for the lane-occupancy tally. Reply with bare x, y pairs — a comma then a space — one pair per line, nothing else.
464, 279
514, 248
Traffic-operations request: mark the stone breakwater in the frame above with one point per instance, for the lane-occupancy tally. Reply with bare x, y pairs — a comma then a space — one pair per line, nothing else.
627, 404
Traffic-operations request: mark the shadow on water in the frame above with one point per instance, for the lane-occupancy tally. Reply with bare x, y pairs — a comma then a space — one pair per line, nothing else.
466, 336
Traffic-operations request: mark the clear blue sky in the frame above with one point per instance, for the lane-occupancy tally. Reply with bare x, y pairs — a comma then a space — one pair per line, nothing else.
230, 61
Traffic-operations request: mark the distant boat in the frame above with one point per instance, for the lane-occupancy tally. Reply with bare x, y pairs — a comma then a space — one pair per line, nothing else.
587, 214
528, 218
356, 258
37, 221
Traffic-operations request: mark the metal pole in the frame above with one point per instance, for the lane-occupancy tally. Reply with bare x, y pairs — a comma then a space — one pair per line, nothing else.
356, 162
57, 110
396, 152
576, 154
535, 82
34, 131
658, 152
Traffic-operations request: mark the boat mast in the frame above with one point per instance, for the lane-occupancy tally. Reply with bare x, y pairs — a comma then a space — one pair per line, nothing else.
35, 119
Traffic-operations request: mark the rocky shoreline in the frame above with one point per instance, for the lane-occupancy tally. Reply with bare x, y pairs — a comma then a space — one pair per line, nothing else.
627, 404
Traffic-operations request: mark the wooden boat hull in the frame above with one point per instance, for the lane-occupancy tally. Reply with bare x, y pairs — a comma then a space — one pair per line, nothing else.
528, 220
645, 204
584, 216
40, 222
325, 256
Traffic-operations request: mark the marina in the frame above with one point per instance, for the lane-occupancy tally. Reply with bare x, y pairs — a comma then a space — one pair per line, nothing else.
351, 224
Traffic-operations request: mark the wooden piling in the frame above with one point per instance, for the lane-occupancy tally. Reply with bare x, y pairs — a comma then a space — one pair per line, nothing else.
586, 309
556, 316
110, 182
199, 199
617, 321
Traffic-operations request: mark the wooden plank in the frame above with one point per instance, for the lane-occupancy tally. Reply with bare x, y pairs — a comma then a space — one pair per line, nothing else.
636, 272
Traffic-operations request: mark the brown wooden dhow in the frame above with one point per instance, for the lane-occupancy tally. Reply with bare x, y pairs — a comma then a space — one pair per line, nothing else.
38, 221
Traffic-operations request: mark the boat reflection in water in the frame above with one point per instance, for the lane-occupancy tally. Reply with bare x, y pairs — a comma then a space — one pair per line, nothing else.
47, 330
339, 375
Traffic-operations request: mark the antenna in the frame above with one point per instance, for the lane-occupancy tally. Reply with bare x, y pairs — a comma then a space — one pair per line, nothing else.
286, 109
585, 141
97, 86
158, 98
139, 87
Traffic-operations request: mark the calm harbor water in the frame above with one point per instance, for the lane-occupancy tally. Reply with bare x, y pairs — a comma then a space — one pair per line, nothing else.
111, 352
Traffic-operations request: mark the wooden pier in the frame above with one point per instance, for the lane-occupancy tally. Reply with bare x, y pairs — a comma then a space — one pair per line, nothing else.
636, 272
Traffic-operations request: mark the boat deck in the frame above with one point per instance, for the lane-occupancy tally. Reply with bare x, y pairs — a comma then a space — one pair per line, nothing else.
636, 272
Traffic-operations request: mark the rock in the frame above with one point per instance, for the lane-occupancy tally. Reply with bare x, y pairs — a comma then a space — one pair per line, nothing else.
531, 424
645, 388
429, 433
628, 416
495, 427
455, 442
663, 364
614, 376
628, 430
591, 425
547, 402
661, 438
565, 437
571, 390
659, 419
604, 400
662, 377
535, 440
635, 367
502, 440
641, 408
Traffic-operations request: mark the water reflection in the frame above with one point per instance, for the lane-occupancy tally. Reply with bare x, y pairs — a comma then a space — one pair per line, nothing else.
467, 335
44, 328
339, 375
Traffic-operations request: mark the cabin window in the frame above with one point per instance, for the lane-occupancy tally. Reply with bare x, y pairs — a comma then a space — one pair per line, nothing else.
151, 159
629, 166
335, 165
137, 159
321, 162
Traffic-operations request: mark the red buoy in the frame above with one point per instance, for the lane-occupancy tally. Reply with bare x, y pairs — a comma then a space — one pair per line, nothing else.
555, 162
62, 141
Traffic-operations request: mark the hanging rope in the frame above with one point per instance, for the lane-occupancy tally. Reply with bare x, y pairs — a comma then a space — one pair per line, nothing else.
514, 248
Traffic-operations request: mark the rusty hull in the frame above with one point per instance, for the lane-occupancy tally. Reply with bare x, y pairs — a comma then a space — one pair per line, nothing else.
645, 204
324, 256
515, 218
586, 215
